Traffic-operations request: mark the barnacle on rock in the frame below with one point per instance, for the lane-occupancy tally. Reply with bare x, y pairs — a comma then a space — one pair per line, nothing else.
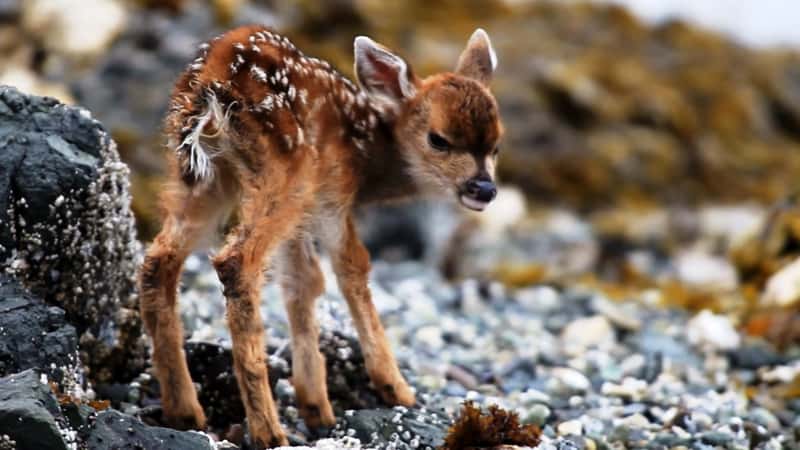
476, 430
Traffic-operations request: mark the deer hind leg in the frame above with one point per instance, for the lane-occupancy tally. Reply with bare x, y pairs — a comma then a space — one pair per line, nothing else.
270, 212
190, 218
351, 264
302, 282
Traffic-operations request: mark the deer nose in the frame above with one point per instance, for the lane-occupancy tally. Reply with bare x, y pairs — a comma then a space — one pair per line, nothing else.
481, 190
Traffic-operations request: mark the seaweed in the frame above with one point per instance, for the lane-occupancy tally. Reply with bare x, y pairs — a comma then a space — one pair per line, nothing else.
475, 429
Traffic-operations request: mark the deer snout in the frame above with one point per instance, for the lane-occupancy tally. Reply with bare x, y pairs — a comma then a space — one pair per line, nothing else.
478, 193
481, 190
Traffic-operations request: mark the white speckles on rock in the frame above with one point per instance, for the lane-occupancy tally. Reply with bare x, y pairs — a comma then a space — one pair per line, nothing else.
87, 238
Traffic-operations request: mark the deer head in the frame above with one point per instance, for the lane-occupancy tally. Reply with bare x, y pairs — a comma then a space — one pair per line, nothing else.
447, 125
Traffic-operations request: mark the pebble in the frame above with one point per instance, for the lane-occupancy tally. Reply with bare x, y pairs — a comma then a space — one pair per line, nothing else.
630, 389
570, 427
537, 414
567, 381
586, 333
710, 330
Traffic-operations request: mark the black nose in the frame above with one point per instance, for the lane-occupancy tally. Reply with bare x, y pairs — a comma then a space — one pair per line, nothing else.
481, 190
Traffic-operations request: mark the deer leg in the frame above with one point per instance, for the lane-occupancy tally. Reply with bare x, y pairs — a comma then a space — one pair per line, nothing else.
302, 282
190, 219
268, 217
351, 264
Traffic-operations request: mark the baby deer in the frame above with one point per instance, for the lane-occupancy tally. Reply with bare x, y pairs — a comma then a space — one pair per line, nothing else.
291, 147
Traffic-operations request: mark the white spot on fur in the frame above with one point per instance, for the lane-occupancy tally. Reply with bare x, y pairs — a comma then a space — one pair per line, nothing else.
258, 73
268, 103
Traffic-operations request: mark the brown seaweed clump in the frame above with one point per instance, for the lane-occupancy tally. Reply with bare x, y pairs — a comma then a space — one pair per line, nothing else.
496, 428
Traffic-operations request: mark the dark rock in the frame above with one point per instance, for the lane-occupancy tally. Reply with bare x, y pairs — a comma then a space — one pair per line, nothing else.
755, 355
28, 412
78, 416
716, 438
67, 230
114, 430
34, 335
403, 232
211, 366
406, 428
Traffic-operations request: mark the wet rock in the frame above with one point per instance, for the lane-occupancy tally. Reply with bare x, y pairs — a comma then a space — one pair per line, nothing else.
69, 233
29, 411
78, 416
112, 429
34, 335
405, 428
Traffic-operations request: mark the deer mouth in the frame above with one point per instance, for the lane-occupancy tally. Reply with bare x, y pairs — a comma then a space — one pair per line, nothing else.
471, 203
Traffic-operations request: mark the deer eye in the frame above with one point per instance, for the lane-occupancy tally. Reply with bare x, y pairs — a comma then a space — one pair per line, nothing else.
438, 142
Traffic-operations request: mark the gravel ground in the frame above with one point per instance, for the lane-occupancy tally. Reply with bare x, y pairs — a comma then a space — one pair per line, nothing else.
592, 372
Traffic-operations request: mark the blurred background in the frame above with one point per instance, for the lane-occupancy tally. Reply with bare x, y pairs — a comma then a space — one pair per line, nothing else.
653, 146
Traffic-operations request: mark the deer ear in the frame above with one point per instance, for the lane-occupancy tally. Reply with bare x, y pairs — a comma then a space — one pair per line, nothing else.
381, 72
478, 60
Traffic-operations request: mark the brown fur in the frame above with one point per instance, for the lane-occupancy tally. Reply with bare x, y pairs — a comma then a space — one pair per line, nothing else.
293, 147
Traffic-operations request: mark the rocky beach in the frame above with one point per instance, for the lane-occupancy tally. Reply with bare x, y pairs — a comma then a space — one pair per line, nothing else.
635, 286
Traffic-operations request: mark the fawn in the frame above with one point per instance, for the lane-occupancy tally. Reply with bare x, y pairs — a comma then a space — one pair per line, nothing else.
289, 147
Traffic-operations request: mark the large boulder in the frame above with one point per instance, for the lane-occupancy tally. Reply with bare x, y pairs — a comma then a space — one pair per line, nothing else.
66, 229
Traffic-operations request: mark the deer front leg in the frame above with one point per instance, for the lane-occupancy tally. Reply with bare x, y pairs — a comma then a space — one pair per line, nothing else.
302, 282
351, 264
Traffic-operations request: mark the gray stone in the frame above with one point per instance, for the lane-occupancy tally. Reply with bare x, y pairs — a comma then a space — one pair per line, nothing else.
114, 430
28, 412
406, 428
33, 335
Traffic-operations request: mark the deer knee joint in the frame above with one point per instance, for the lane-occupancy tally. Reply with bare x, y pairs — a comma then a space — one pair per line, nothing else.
229, 271
155, 270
